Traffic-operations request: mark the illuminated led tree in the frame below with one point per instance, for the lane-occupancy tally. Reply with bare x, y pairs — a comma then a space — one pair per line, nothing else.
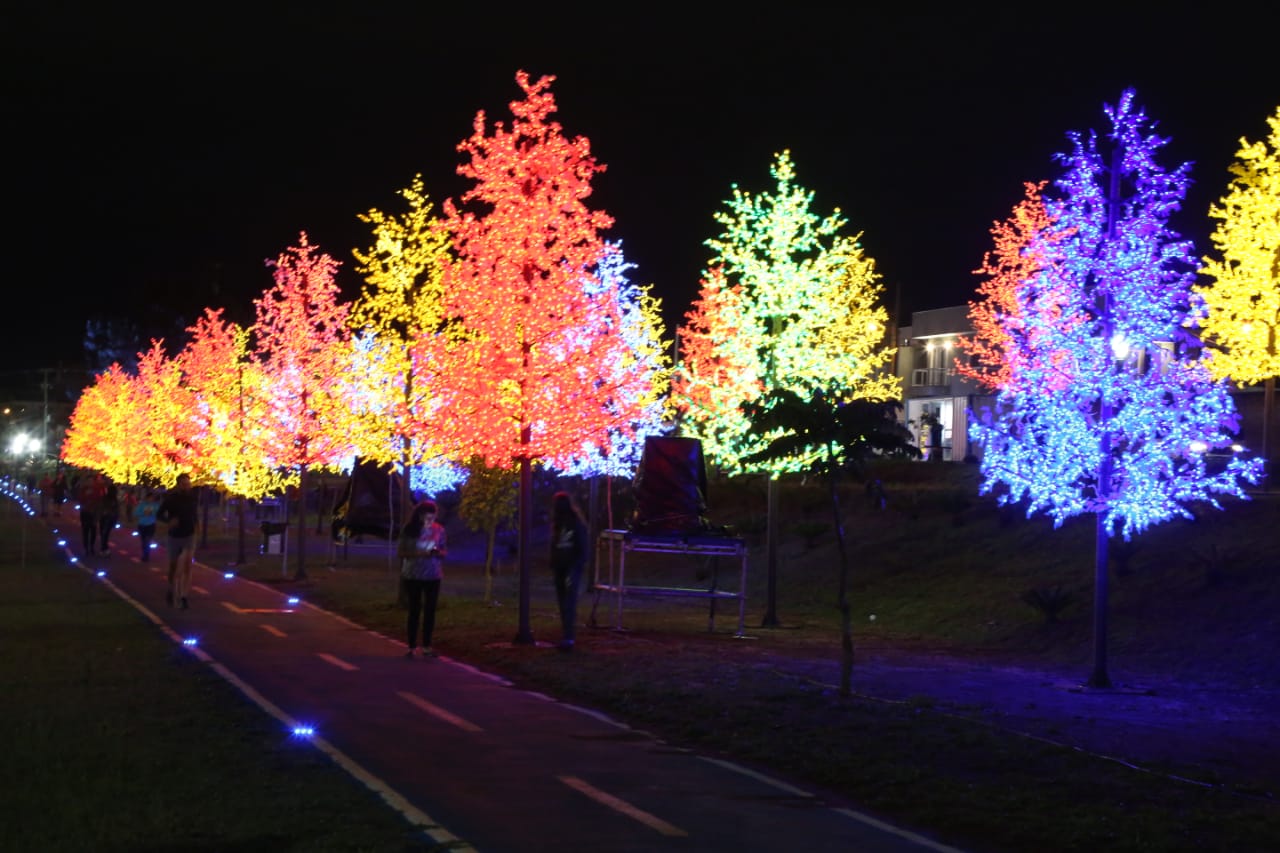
167, 425
801, 314
1243, 301
640, 326
532, 373
488, 501
1104, 415
303, 347
99, 434
226, 385
1022, 243
400, 304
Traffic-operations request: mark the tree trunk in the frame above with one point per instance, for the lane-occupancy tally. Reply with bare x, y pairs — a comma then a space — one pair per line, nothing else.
846, 619
771, 556
524, 634
301, 572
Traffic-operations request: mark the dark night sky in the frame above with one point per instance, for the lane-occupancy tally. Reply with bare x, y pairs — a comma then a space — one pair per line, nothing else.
155, 162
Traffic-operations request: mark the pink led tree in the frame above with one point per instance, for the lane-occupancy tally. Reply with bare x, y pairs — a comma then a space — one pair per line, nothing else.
303, 346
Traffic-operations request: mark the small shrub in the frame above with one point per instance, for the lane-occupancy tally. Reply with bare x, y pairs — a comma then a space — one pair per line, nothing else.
810, 531
1049, 600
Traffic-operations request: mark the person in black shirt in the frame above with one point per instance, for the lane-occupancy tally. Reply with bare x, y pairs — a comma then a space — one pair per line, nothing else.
178, 510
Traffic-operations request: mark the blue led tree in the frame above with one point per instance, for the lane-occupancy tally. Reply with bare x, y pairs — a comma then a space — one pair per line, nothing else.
1109, 409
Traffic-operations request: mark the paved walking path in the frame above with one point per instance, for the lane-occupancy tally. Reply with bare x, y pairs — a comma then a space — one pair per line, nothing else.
479, 764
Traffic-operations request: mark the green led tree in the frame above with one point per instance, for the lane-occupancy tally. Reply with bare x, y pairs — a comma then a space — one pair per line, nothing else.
788, 303
1243, 300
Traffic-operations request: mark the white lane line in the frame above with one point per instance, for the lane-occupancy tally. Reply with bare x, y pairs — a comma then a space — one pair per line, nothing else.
273, 630
438, 712
651, 821
337, 661
233, 608
898, 831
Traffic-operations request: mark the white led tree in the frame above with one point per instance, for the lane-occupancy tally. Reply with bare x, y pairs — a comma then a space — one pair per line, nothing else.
1109, 405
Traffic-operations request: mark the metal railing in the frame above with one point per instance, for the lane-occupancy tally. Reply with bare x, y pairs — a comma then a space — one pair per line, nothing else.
931, 376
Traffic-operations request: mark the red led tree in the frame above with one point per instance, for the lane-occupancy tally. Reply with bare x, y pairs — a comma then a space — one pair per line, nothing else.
530, 374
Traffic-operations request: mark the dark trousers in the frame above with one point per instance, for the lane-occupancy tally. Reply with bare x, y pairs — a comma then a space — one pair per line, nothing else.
88, 530
106, 524
423, 597
567, 582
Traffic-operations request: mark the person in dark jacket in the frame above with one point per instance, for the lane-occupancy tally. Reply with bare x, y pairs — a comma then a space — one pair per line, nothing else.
179, 511
108, 514
568, 559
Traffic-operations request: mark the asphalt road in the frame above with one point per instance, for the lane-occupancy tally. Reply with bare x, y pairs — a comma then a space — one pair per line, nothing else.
475, 762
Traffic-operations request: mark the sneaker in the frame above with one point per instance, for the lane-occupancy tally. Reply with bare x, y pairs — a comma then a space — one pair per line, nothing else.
429, 652
185, 606
410, 653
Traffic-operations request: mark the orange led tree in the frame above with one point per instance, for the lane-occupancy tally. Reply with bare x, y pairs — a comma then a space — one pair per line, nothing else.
99, 435
530, 374
302, 341
400, 304
1018, 257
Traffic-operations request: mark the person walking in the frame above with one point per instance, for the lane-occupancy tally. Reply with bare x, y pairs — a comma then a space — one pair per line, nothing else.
90, 492
144, 515
179, 511
422, 550
568, 559
108, 515
60, 490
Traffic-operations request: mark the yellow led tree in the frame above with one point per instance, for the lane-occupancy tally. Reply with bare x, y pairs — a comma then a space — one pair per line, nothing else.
531, 372
302, 345
169, 427
802, 314
1243, 300
226, 385
399, 304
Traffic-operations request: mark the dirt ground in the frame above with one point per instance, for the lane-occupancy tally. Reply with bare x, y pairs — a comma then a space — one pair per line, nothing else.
1209, 733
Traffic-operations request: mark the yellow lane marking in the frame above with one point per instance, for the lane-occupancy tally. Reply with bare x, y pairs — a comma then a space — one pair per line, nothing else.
232, 607
437, 711
651, 821
273, 630
338, 662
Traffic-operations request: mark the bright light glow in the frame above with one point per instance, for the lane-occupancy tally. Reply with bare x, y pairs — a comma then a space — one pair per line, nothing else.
1199, 447
293, 601
190, 641
229, 575
1119, 347
303, 731
101, 573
